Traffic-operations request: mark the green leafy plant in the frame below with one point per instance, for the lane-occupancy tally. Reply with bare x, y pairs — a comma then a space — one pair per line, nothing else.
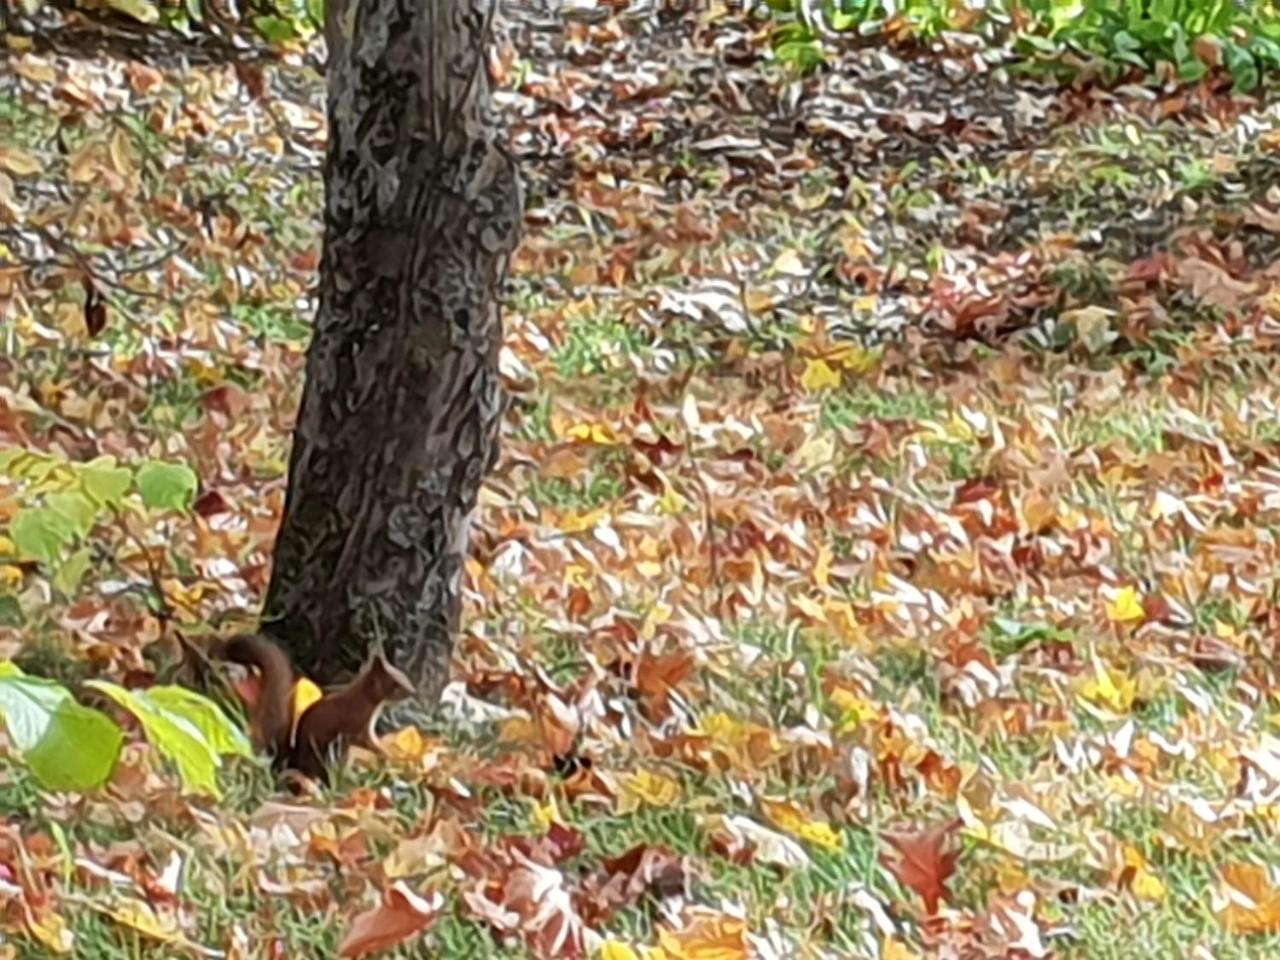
69, 746
275, 21
61, 501
1190, 36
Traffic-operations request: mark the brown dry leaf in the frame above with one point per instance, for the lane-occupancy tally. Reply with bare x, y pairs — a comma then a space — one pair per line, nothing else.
1214, 285
401, 915
922, 865
19, 162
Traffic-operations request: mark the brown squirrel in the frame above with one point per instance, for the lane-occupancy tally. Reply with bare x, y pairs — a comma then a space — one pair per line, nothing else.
331, 724
271, 708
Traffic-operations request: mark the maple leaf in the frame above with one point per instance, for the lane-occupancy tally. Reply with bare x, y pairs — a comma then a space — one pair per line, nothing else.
922, 865
1248, 901
708, 937
401, 915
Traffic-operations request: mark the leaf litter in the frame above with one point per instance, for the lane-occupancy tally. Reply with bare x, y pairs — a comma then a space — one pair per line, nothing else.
881, 562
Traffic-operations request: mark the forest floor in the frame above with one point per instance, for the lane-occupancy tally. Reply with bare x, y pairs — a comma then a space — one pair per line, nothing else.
882, 562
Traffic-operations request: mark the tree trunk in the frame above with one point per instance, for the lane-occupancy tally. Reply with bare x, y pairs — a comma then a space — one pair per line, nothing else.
400, 411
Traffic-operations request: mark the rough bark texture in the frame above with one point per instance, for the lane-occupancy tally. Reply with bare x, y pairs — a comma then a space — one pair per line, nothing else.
400, 412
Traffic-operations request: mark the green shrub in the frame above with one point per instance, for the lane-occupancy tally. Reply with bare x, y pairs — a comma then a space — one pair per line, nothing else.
1189, 36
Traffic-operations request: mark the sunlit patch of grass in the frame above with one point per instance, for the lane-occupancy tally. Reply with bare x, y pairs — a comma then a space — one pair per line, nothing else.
865, 402
599, 344
25, 124
583, 493
273, 322
1140, 430
609, 835
457, 936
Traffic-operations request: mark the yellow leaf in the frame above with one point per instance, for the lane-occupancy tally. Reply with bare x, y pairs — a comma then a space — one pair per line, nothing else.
600, 433
854, 357
578, 522
1142, 881
747, 746
671, 502
50, 930
10, 576
19, 162
716, 937
789, 818
1109, 688
141, 917
858, 710
546, 815
1125, 606
897, 950
406, 745
647, 788
822, 566
616, 950
1147, 886
818, 375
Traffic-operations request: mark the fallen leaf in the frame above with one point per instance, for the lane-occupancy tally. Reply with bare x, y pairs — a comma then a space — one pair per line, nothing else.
818, 375
401, 915
1247, 901
1125, 606
793, 820
922, 865
715, 937
645, 788
19, 162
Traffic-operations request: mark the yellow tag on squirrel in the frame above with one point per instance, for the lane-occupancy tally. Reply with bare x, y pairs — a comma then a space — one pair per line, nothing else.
305, 693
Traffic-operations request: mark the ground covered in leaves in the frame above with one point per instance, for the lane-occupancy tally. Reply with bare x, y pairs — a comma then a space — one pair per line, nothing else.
881, 564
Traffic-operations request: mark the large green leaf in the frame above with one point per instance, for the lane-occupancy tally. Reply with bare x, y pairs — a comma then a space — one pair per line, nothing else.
67, 745
76, 507
176, 736
167, 486
40, 533
104, 481
71, 571
223, 734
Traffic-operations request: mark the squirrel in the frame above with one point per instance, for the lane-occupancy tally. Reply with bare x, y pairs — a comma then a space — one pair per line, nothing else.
271, 710
334, 722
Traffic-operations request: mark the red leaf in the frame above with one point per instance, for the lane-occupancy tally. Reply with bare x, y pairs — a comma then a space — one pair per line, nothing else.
210, 504
401, 915
922, 864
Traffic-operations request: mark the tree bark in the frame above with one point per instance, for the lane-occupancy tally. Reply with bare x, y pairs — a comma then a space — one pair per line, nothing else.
402, 401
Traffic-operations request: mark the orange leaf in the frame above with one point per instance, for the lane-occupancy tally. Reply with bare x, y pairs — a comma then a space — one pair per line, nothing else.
716, 937
401, 915
922, 865
1252, 902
